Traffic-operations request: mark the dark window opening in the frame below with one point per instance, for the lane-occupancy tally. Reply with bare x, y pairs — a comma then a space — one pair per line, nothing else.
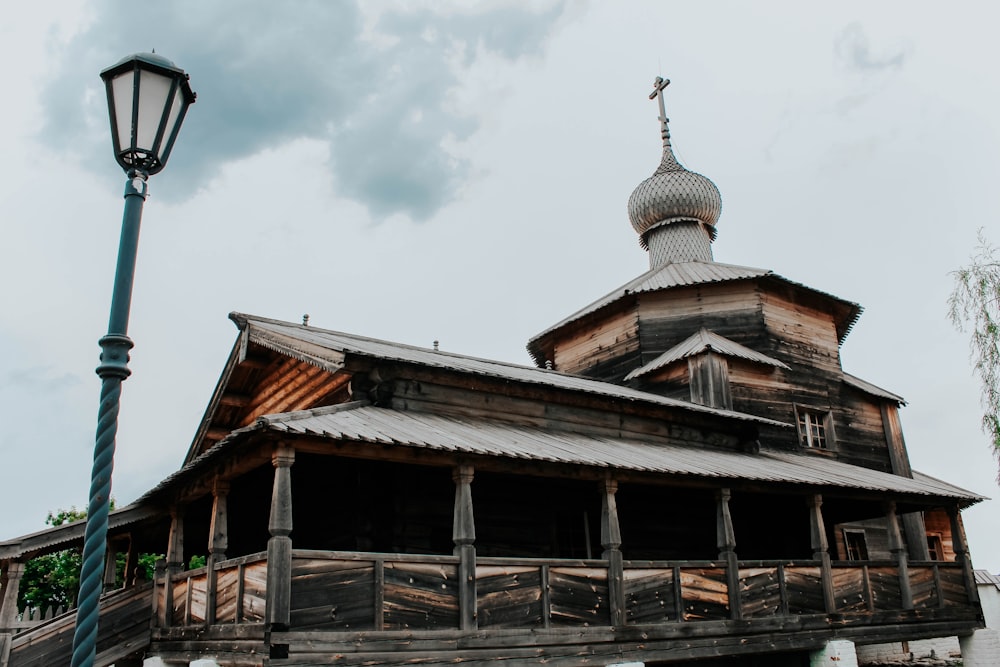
934, 547
856, 545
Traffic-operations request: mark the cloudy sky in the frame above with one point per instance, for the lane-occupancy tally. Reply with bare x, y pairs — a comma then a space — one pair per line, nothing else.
457, 172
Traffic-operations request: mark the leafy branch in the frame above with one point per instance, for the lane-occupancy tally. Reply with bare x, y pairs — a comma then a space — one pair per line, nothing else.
974, 305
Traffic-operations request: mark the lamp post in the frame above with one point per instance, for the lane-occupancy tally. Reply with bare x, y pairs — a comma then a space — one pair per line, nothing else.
148, 97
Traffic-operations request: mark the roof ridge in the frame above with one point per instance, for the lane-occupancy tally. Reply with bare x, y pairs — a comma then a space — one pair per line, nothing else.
267, 420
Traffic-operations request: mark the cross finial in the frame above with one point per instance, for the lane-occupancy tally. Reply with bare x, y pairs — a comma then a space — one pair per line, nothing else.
658, 85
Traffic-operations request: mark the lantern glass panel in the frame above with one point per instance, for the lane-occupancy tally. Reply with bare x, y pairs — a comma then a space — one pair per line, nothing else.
175, 109
153, 92
121, 88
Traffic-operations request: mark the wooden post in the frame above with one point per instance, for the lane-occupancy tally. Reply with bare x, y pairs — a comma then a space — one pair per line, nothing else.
821, 549
218, 542
159, 578
961, 549
279, 547
725, 540
175, 563
131, 565
11, 587
110, 565
611, 542
898, 549
463, 534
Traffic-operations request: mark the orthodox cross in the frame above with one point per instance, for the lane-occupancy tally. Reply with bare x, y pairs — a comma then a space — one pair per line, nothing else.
657, 93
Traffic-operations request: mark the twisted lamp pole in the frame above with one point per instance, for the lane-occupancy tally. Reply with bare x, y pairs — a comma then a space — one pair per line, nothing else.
148, 97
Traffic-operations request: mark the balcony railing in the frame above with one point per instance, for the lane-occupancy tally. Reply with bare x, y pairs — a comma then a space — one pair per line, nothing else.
350, 591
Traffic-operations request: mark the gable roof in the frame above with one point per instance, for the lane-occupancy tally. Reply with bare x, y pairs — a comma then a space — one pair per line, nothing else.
869, 388
329, 350
705, 341
684, 274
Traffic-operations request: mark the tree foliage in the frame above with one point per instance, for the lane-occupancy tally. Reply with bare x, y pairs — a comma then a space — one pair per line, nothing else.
53, 580
974, 305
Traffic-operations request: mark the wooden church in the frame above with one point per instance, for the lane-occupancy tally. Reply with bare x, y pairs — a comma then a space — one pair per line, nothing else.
686, 476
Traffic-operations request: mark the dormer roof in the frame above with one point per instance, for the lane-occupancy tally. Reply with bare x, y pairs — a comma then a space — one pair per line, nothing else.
704, 341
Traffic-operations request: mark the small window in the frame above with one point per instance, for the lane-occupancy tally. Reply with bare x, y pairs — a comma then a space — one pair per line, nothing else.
934, 547
856, 545
815, 428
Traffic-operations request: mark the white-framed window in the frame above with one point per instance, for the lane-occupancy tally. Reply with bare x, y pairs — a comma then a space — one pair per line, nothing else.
815, 427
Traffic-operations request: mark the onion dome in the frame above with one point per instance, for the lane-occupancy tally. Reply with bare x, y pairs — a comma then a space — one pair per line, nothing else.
673, 194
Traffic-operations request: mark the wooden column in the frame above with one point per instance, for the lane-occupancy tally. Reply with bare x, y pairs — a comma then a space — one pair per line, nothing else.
11, 587
218, 542
725, 540
961, 548
131, 565
463, 533
279, 547
898, 549
611, 542
821, 549
111, 565
175, 563
159, 577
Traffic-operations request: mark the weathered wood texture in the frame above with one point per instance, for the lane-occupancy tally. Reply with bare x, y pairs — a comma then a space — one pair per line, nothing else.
511, 596
885, 587
851, 589
419, 595
804, 587
762, 592
579, 596
651, 595
704, 593
793, 327
953, 586
189, 598
123, 629
333, 595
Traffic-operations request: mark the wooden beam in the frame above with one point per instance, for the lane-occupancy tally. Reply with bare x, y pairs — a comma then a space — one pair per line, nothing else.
234, 400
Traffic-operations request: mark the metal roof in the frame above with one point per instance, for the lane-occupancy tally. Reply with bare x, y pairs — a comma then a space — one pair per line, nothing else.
62, 536
703, 341
869, 388
327, 348
692, 273
383, 427
985, 578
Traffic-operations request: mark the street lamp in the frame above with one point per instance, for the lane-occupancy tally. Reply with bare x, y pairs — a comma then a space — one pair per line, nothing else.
148, 97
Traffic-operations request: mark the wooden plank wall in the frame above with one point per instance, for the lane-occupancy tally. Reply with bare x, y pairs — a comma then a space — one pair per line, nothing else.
512, 596
608, 349
651, 595
333, 594
579, 596
704, 593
